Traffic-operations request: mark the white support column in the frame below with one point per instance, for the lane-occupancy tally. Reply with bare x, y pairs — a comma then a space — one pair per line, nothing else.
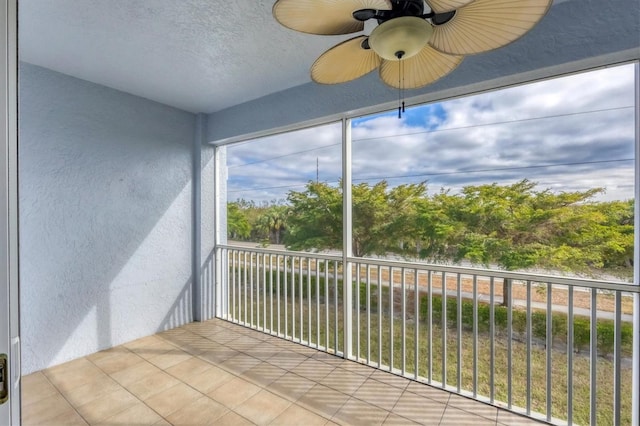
635, 392
196, 218
220, 293
347, 242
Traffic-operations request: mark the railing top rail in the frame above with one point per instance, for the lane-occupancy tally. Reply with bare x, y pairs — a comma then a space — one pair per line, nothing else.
521, 276
282, 252
462, 270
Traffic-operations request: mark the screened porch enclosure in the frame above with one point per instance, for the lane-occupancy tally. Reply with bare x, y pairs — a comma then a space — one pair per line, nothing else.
555, 343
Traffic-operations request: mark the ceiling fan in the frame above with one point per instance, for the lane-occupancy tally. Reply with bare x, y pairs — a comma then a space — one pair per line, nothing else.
414, 44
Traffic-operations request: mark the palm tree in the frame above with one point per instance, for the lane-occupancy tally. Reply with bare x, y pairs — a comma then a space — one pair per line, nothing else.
273, 221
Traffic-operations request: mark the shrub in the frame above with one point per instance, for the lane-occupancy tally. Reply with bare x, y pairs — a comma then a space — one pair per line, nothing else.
559, 328
559, 324
539, 325
519, 321
581, 334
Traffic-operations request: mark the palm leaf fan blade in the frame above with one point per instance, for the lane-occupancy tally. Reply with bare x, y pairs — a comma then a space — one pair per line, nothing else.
441, 6
345, 62
484, 25
324, 17
424, 68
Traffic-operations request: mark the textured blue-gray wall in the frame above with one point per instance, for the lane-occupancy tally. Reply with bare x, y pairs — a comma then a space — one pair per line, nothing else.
105, 217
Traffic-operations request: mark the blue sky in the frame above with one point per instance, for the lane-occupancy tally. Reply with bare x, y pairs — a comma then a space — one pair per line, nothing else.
570, 133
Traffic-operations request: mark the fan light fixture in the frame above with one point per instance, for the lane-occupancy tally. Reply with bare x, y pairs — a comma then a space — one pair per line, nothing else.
415, 43
400, 38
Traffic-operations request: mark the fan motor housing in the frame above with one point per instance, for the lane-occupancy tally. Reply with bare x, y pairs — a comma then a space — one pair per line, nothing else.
406, 8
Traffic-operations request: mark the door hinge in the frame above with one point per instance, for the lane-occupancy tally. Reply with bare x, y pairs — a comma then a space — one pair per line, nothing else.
4, 379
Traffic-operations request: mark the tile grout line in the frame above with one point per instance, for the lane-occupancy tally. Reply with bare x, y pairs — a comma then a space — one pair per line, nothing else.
123, 387
332, 418
224, 368
73, 407
186, 341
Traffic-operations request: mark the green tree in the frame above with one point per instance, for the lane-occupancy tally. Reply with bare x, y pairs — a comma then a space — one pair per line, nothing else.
315, 218
274, 221
517, 227
382, 217
436, 232
238, 226
402, 224
595, 236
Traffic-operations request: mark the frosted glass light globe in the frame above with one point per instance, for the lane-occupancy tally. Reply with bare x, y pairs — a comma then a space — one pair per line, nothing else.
400, 38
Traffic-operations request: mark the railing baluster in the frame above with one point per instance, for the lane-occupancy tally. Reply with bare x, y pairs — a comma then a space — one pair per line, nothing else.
443, 300
570, 357
258, 290
459, 337
379, 316
593, 359
233, 284
326, 305
509, 303
238, 303
368, 314
430, 326
264, 291
335, 306
286, 298
240, 299
301, 298
317, 263
228, 277
549, 349
403, 336
293, 298
617, 361
251, 306
309, 301
391, 282
357, 297
244, 286
475, 336
278, 293
492, 339
271, 293
529, 337
416, 323
317, 273
300, 285
222, 278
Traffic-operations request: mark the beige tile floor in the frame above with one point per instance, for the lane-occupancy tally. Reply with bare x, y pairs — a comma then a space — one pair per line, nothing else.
220, 373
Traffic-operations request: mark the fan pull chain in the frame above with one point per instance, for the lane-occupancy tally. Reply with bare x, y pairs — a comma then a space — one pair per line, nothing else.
399, 89
403, 88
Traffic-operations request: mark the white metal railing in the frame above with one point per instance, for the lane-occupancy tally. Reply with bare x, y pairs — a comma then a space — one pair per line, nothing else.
449, 327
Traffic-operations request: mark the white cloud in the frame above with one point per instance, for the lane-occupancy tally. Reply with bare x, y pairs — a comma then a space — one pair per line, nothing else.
582, 123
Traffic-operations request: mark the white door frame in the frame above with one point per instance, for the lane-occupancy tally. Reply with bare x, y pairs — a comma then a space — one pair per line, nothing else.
9, 301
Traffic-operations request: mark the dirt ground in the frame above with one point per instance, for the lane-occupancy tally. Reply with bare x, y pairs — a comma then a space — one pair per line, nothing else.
581, 299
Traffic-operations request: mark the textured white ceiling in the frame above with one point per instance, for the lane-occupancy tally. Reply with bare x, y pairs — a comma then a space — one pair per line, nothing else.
198, 55
210, 55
